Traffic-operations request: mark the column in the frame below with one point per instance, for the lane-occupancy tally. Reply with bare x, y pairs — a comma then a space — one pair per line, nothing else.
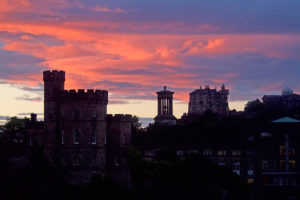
159, 106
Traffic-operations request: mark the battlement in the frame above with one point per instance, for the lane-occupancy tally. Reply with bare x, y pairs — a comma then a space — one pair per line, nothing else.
53, 75
119, 117
81, 94
208, 90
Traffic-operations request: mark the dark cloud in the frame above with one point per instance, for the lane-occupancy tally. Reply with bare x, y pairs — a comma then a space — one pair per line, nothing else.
17, 66
29, 98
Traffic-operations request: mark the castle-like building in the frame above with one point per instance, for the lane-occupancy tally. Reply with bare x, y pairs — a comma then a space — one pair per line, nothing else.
205, 99
77, 134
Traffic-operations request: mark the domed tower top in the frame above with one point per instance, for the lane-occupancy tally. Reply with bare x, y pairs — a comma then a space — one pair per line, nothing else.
287, 91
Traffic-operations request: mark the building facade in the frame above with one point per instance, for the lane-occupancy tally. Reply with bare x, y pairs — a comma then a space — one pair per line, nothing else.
77, 131
288, 99
205, 99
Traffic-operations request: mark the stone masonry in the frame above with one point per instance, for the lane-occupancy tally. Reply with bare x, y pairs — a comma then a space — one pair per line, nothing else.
77, 131
205, 99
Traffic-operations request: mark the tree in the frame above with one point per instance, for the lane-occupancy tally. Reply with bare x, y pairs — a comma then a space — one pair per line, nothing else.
135, 124
254, 106
13, 128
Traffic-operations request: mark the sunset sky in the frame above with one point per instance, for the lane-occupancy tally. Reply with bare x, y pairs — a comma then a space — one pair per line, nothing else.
134, 47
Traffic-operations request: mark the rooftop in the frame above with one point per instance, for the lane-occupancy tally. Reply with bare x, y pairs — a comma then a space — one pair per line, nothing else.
286, 120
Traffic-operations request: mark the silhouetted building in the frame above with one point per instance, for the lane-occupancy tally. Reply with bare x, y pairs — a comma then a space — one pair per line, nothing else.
268, 160
278, 154
78, 135
165, 108
205, 99
287, 99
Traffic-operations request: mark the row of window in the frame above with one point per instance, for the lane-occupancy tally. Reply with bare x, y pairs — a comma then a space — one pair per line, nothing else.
209, 152
283, 151
76, 161
206, 152
267, 165
76, 137
76, 115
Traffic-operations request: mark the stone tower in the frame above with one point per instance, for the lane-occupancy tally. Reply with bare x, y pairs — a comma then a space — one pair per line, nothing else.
54, 83
165, 108
53, 86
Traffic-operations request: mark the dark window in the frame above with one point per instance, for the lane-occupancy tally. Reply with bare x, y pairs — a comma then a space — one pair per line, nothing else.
94, 114
76, 114
75, 136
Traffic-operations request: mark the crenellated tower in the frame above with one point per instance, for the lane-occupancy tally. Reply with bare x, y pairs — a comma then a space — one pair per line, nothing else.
54, 83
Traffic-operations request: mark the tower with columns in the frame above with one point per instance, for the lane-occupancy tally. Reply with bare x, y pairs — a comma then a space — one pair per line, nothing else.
165, 108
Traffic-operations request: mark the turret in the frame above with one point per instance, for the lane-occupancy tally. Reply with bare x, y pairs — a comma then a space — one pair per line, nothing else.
53, 85
54, 81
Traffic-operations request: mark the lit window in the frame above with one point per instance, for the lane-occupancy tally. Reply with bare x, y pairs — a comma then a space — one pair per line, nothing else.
94, 138
292, 164
236, 166
265, 134
250, 180
221, 153
282, 150
76, 136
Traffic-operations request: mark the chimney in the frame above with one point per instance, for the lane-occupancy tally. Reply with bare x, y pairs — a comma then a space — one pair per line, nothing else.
33, 117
